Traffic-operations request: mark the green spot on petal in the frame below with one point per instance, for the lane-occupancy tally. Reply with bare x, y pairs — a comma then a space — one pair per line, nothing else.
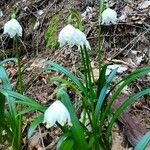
66, 38
48, 123
63, 122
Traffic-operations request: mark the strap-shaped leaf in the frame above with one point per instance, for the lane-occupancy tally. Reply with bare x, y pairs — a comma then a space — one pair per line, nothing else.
4, 77
34, 124
65, 142
144, 141
24, 100
8, 60
103, 93
59, 68
102, 78
11, 101
68, 83
124, 82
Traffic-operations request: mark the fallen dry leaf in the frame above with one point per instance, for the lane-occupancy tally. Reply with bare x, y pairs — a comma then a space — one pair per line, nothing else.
37, 63
144, 5
34, 140
117, 141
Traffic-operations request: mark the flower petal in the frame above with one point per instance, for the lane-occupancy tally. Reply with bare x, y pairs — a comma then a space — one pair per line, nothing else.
12, 28
56, 112
109, 16
66, 34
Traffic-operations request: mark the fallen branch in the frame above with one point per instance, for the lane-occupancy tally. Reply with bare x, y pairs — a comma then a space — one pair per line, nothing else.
134, 130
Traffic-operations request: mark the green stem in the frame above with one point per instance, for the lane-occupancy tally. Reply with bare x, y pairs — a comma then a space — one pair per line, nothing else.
20, 89
99, 44
85, 104
90, 94
107, 5
85, 70
89, 72
99, 37
99, 63
20, 83
74, 14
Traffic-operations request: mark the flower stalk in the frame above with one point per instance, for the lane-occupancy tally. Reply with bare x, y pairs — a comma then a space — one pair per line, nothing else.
20, 89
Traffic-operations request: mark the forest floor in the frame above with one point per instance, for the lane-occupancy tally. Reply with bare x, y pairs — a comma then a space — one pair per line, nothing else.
126, 44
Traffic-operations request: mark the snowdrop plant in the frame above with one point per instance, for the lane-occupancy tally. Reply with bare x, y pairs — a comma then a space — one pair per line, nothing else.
94, 100
57, 112
14, 30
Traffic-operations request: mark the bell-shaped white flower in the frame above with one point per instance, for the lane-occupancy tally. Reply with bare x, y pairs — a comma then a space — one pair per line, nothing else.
72, 36
57, 112
79, 39
12, 28
66, 34
109, 16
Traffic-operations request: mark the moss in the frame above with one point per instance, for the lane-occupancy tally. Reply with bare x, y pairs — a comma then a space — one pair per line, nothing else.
51, 33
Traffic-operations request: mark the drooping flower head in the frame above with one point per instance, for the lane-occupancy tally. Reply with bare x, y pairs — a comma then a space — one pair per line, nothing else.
80, 39
109, 16
71, 36
57, 112
66, 34
12, 28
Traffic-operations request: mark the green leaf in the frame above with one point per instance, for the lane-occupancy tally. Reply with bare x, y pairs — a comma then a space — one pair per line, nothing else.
2, 106
8, 60
122, 108
25, 111
34, 124
77, 130
102, 78
103, 94
2, 117
64, 81
11, 101
91, 142
144, 141
4, 77
65, 142
59, 68
124, 82
23, 100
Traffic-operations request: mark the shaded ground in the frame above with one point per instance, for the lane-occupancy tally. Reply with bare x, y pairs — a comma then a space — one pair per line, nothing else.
126, 44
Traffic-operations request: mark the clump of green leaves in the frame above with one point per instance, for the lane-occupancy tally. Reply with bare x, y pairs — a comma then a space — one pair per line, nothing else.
93, 96
50, 34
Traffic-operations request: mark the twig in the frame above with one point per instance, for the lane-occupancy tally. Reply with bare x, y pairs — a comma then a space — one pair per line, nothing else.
134, 130
133, 40
41, 138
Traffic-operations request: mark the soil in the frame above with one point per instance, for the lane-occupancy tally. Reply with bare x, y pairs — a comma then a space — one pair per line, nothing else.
127, 43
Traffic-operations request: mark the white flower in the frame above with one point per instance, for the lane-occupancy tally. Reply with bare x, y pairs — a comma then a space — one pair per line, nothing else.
66, 34
109, 16
72, 36
13, 28
79, 39
57, 112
